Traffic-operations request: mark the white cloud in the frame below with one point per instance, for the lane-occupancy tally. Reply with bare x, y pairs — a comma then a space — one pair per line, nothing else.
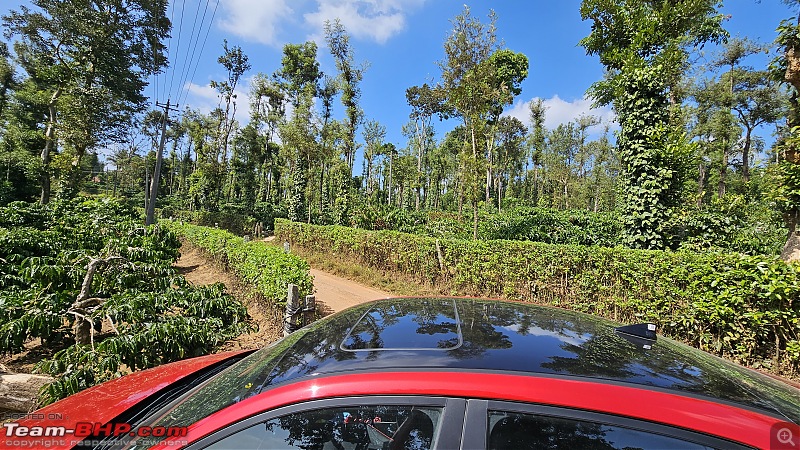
560, 111
376, 20
261, 20
255, 20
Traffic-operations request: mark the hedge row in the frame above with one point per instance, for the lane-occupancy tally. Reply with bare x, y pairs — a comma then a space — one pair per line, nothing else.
744, 308
267, 269
237, 219
732, 225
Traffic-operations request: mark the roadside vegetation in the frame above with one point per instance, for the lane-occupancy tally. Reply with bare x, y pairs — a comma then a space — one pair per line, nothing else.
92, 287
267, 270
737, 306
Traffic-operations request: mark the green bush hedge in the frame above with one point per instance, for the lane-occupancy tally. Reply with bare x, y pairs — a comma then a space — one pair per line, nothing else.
744, 308
732, 225
268, 270
237, 219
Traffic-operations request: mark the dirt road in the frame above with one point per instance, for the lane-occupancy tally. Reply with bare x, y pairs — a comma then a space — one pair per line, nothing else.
337, 293
333, 294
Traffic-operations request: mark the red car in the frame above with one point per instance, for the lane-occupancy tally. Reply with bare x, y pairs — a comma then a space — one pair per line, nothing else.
435, 373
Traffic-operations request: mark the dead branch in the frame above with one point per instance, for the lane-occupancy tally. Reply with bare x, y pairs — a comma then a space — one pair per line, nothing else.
82, 328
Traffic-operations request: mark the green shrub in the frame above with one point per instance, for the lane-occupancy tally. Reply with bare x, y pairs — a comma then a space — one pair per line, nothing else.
267, 269
732, 225
144, 313
238, 219
744, 307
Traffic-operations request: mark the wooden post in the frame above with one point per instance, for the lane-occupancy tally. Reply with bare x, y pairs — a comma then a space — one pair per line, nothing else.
292, 308
156, 179
308, 309
286, 247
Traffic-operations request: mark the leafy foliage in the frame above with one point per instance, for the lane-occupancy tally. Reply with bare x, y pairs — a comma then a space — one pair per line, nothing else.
732, 225
742, 307
143, 312
267, 269
642, 44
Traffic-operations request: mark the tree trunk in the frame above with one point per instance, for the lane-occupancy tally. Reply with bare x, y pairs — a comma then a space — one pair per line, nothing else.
746, 155
489, 179
475, 220
48, 146
499, 193
701, 184
723, 173
420, 143
390, 179
791, 250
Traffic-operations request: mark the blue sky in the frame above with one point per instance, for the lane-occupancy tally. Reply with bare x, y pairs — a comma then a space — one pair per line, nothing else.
401, 40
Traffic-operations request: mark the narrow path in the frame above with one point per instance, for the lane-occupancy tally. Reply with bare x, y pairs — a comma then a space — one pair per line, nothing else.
333, 294
336, 293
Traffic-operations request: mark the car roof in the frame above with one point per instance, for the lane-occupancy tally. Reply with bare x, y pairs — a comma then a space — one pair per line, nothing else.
489, 335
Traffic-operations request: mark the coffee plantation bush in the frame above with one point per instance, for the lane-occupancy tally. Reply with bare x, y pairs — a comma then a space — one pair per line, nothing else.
746, 308
730, 226
138, 311
267, 269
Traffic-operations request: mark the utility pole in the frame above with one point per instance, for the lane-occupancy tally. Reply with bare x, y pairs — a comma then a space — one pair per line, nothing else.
156, 179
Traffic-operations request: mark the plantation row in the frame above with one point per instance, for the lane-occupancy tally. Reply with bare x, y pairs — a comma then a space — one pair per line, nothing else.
730, 226
746, 308
267, 270
101, 292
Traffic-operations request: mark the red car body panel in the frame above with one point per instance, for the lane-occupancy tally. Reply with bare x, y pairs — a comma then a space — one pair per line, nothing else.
697, 414
104, 402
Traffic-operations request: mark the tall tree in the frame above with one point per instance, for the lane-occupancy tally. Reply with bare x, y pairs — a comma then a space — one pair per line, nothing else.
786, 173
425, 101
236, 64
536, 144
478, 79
643, 46
350, 75
96, 55
716, 126
298, 77
511, 133
374, 136
267, 112
758, 99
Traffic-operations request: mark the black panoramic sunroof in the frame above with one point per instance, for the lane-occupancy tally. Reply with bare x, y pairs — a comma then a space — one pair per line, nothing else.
432, 325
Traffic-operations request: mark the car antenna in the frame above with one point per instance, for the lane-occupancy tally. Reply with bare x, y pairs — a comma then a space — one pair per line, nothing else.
642, 335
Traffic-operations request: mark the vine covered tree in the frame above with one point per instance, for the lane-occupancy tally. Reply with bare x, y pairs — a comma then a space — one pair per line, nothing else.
643, 46
350, 75
787, 172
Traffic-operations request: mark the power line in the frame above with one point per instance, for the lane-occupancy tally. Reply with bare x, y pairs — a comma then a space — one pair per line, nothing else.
169, 43
188, 60
202, 47
178, 47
